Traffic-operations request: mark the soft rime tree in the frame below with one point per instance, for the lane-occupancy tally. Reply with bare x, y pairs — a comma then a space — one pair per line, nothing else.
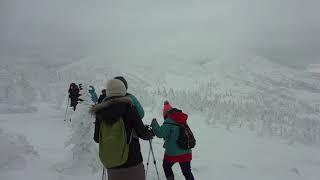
83, 149
19, 90
25, 89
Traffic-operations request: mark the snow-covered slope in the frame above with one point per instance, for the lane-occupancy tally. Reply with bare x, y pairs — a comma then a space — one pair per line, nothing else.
219, 154
240, 73
229, 89
242, 102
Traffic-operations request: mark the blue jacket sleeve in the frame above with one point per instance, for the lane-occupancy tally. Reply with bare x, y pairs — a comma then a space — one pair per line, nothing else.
138, 106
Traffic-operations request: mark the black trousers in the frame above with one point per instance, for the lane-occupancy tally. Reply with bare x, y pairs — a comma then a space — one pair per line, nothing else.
185, 168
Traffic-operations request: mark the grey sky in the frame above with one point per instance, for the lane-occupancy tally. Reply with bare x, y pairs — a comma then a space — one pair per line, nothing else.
283, 30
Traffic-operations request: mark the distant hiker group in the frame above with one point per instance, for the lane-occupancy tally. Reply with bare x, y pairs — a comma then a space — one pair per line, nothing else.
119, 126
74, 95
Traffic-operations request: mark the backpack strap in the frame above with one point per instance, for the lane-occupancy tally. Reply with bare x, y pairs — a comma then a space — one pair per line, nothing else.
131, 136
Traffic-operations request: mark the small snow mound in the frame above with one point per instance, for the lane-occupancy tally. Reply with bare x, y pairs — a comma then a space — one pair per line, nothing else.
14, 151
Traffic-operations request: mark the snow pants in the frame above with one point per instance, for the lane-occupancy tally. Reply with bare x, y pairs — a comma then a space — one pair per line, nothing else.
185, 168
136, 173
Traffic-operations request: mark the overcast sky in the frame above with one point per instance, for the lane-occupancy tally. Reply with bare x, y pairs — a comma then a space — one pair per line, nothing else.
283, 30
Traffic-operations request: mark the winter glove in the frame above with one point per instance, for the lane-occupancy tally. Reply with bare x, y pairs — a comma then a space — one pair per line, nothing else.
148, 135
150, 130
151, 134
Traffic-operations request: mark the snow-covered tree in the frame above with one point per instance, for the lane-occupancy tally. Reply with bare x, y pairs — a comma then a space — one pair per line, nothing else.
84, 151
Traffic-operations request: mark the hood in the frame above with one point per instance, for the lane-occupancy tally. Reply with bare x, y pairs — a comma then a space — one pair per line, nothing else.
179, 117
111, 109
109, 102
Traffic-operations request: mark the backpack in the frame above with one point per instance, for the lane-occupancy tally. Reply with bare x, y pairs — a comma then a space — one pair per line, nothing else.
113, 144
186, 139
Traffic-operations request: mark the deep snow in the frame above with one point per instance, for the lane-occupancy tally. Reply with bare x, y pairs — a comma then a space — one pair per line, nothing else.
276, 107
220, 154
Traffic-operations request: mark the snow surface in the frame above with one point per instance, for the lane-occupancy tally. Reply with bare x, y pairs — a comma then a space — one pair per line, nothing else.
14, 151
253, 119
219, 154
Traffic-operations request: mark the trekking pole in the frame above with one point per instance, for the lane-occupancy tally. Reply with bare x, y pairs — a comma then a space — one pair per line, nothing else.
103, 174
65, 114
154, 159
148, 162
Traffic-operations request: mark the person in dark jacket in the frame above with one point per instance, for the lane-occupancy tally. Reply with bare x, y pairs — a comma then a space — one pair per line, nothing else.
102, 96
118, 105
74, 94
135, 101
170, 130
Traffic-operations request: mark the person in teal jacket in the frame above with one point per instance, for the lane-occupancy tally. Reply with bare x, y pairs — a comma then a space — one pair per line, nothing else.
93, 94
135, 101
169, 130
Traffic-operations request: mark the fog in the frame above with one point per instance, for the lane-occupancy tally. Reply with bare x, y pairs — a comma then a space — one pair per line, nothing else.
286, 31
209, 58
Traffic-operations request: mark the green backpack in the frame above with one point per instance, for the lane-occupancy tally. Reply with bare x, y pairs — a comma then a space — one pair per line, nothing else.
113, 144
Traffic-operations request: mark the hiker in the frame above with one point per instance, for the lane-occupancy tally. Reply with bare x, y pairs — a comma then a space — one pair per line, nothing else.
102, 96
93, 94
135, 101
119, 152
74, 95
174, 152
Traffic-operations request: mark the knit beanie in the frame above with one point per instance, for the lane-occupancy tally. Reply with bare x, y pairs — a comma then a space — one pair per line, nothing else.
166, 107
115, 87
121, 78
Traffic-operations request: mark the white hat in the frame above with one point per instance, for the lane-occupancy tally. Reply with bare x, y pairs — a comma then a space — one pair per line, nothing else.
115, 87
